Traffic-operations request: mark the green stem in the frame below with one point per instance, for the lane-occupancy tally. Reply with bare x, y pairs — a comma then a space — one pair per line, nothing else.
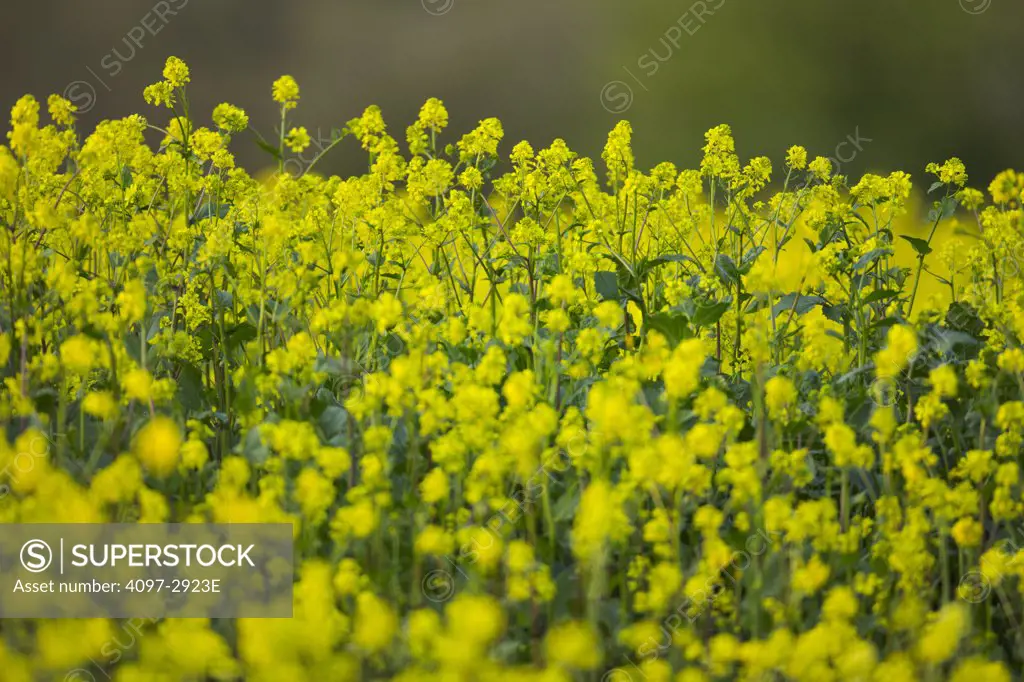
920, 264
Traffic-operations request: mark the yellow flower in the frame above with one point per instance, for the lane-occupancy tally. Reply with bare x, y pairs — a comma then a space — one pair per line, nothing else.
434, 486
821, 167
515, 322
131, 302
720, 158
138, 384
975, 669
480, 546
943, 380
375, 623
796, 158
481, 142
1011, 360
780, 397
66, 643
100, 404
176, 72
901, 343
78, 354
387, 311
348, 578
358, 520
297, 140
1006, 187
286, 92
471, 178
573, 645
561, 290
840, 604
157, 445
940, 639
433, 115
475, 620
609, 314
315, 493
334, 461
433, 540
153, 507
598, 521
682, 373
61, 110
119, 482
424, 629
952, 172
967, 532
194, 454
841, 442
809, 577
230, 118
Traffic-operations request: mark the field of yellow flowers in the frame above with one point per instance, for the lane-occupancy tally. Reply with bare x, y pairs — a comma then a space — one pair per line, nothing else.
531, 417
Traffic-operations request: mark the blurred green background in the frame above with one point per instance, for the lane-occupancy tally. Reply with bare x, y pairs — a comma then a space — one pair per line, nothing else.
913, 80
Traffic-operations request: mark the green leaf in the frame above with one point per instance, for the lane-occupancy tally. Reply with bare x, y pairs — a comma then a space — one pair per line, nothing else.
190, 394
750, 256
508, 650
920, 245
726, 270
45, 400
520, 288
565, 507
833, 312
948, 339
663, 260
707, 314
622, 264
803, 304
880, 295
606, 283
394, 344
270, 149
209, 210
672, 325
830, 233
870, 257
254, 448
336, 366
936, 185
942, 209
963, 317
333, 421
883, 323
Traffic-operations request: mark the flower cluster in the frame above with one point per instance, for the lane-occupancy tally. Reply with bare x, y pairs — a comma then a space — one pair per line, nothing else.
530, 418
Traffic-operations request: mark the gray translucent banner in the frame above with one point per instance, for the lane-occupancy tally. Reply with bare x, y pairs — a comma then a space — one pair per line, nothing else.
124, 570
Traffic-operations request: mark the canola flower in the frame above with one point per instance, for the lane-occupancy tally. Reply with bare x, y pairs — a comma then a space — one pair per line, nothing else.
531, 418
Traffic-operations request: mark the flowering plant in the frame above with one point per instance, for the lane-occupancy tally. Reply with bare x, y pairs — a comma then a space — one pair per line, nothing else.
529, 419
